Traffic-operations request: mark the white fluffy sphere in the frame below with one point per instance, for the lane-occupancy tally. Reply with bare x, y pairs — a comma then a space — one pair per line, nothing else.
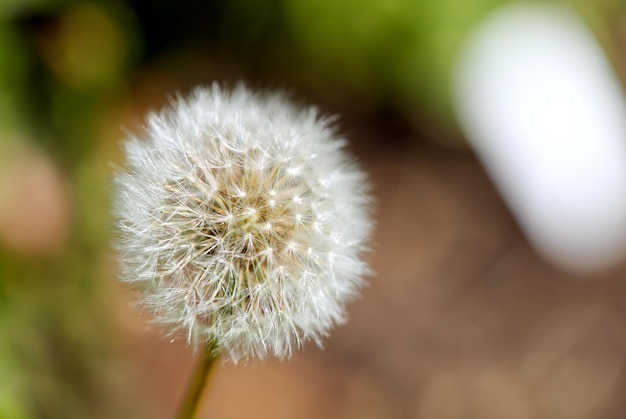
243, 222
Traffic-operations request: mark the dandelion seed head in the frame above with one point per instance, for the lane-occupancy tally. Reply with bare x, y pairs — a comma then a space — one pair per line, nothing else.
242, 222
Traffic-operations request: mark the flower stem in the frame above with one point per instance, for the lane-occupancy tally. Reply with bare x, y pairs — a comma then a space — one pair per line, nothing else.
192, 400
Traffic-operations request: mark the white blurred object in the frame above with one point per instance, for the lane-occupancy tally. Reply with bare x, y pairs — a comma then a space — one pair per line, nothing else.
543, 108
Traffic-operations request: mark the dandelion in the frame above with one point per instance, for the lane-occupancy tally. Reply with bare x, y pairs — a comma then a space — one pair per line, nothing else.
243, 222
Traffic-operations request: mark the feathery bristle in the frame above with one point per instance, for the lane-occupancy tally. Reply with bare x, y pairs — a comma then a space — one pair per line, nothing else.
242, 221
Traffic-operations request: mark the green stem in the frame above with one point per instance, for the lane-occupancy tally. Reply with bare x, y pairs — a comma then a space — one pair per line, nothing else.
192, 401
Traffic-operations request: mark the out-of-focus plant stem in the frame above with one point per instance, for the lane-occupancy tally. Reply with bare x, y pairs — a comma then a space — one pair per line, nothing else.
190, 404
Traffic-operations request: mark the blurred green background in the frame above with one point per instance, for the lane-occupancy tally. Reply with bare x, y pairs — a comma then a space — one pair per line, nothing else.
75, 74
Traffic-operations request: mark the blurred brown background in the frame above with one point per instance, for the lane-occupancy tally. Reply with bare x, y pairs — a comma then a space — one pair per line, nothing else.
462, 320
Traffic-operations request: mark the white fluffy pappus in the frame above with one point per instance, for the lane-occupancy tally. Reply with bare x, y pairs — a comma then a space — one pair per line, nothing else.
242, 222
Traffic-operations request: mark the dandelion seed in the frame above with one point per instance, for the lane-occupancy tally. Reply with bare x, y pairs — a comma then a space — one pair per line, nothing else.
217, 208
